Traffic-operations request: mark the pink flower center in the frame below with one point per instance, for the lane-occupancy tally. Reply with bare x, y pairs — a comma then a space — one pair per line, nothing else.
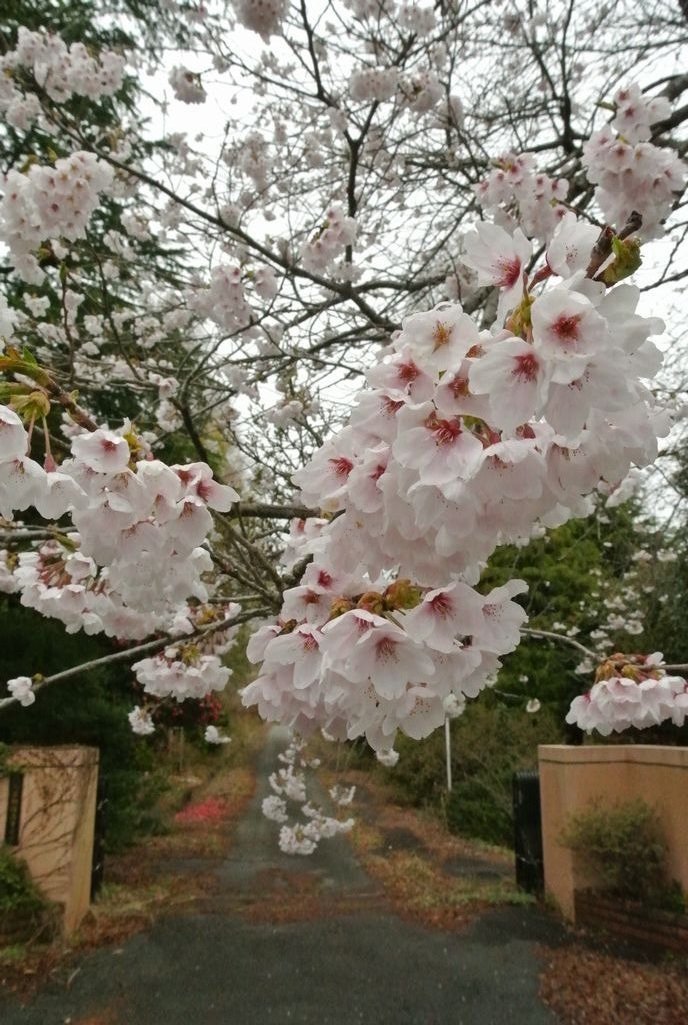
385, 649
526, 367
342, 466
509, 272
408, 372
459, 387
204, 489
442, 605
324, 578
446, 431
566, 328
363, 625
390, 407
441, 335
309, 643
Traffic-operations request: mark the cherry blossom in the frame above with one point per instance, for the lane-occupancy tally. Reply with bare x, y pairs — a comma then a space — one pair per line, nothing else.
21, 688
213, 735
645, 696
187, 85
500, 259
141, 722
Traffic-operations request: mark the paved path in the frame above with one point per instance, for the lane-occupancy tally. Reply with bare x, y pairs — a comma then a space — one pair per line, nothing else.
215, 968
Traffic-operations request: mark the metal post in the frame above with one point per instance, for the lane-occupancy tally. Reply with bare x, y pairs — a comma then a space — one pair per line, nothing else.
447, 744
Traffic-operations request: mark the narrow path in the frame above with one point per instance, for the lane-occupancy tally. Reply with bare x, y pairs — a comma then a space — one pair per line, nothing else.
215, 967
255, 857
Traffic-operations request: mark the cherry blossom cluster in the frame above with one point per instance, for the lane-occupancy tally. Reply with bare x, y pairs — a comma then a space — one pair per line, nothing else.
359, 659
289, 789
21, 688
619, 602
339, 231
8, 319
421, 92
48, 204
213, 735
135, 554
630, 172
469, 438
516, 194
223, 301
141, 721
187, 85
262, 16
630, 691
465, 439
373, 84
181, 672
59, 70
419, 20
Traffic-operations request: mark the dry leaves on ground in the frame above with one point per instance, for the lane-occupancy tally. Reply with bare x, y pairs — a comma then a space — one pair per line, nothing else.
585, 987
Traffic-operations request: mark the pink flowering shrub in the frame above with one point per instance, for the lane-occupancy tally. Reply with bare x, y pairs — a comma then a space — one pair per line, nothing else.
211, 810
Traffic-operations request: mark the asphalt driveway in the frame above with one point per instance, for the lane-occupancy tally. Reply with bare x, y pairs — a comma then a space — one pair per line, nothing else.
214, 967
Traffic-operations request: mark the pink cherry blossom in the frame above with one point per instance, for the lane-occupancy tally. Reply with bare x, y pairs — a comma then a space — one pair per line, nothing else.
13, 437
500, 260
102, 451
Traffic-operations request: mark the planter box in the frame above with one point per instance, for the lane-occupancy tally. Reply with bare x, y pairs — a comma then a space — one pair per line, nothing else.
632, 921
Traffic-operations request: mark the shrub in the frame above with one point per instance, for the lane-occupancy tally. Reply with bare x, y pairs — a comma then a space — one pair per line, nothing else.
490, 742
625, 845
17, 890
475, 811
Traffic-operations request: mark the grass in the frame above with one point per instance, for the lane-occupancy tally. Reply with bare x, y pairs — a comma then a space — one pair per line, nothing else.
13, 953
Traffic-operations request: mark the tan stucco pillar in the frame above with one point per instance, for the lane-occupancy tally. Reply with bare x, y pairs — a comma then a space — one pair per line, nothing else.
57, 822
571, 778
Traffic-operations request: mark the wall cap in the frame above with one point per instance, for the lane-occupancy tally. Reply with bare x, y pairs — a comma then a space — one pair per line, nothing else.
648, 754
68, 756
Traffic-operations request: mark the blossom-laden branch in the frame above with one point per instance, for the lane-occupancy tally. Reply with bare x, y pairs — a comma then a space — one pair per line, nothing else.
38, 682
471, 431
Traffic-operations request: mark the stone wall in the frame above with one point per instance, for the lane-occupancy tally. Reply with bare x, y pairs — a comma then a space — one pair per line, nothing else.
572, 777
56, 822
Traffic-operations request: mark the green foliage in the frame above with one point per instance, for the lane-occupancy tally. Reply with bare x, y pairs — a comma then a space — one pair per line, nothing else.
565, 571
473, 810
625, 845
490, 742
91, 710
17, 890
666, 625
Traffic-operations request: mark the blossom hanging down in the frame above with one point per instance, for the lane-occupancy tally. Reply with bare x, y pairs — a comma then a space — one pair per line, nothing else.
382, 659
466, 439
303, 824
630, 691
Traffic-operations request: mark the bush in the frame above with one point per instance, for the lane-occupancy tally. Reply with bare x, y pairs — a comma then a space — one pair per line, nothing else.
490, 742
18, 893
472, 810
624, 844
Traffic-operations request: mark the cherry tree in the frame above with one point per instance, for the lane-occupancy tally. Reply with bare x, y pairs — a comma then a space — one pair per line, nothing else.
308, 367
